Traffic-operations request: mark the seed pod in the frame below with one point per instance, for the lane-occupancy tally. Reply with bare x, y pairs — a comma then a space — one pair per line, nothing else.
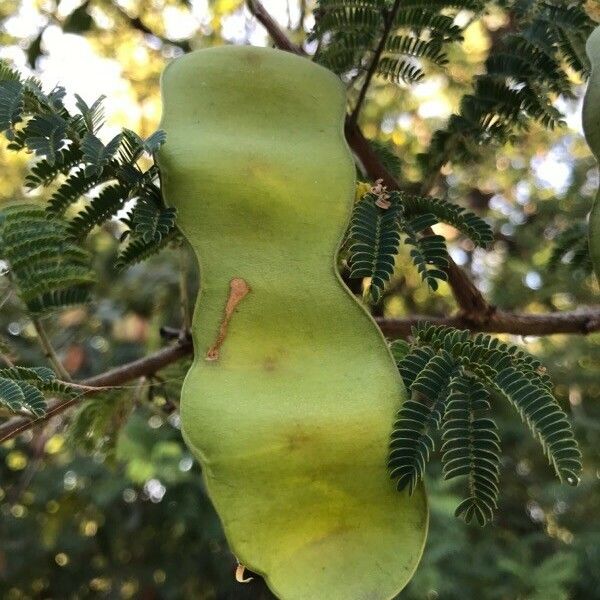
292, 394
591, 128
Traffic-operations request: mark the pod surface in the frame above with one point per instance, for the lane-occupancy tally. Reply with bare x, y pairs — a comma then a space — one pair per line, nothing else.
291, 397
591, 128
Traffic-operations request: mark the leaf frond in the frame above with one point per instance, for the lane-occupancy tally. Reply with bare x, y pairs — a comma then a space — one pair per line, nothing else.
99, 209
454, 374
475, 228
48, 270
23, 389
109, 174
471, 448
522, 78
137, 250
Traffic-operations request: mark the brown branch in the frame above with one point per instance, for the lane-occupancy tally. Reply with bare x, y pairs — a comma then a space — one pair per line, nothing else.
302, 15
469, 299
281, 40
114, 377
582, 321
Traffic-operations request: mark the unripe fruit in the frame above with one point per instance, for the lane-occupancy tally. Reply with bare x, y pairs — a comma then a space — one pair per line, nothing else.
292, 395
591, 128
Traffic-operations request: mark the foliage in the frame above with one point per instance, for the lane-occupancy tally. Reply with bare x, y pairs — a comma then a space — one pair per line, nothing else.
522, 77
96, 423
380, 218
349, 33
67, 145
571, 247
527, 70
452, 378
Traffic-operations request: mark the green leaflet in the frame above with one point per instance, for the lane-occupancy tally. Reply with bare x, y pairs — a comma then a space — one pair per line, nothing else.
11, 105
93, 116
289, 409
375, 238
96, 154
471, 448
45, 135
150, 220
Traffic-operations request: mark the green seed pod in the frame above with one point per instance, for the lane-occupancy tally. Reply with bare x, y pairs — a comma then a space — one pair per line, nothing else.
591, 128
292, 395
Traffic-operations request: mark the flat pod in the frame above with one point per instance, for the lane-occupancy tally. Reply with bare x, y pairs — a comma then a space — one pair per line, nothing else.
292, 394
591, 127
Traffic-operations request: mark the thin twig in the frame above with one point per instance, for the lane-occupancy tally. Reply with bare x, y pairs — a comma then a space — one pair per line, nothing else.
388, 20
300, 26
48, 349
6, 360
3, 357
6, 297
139, 25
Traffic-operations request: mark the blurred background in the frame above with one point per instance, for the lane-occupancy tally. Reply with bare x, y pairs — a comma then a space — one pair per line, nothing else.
121, 512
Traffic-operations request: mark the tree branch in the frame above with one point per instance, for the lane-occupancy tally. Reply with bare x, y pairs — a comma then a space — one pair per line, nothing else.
469, 299
582, 321
139, 25
48, 349
281, 40
114, 377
